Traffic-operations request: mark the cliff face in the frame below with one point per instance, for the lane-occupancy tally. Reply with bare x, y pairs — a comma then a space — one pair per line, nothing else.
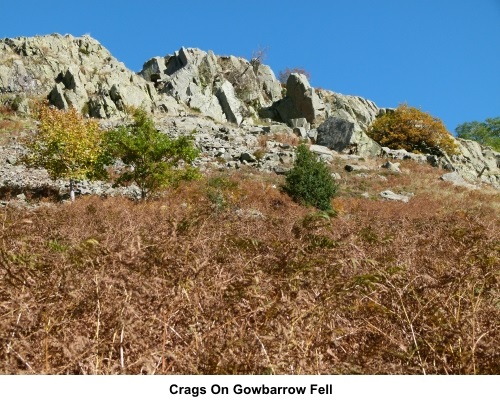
71, 72
81, 73
223, 88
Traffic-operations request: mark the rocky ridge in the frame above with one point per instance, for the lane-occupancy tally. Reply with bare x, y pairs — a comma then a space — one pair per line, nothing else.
234, 108
70, 72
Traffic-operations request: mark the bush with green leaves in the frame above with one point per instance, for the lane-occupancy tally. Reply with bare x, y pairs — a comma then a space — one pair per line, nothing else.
310, 182
154, 160
486, 133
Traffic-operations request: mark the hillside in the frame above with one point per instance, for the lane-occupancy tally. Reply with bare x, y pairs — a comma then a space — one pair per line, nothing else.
227, 274
228, 102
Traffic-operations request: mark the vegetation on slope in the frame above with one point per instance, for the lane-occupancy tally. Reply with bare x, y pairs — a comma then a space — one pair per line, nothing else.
152, 158
310, 182
67, 145
176, 286
411, 129
486, 133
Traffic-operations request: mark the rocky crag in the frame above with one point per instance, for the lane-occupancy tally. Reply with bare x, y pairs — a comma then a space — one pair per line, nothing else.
235, 108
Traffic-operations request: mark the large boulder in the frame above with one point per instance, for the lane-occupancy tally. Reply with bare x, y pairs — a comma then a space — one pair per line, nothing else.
70, 90
390, 195
208, 104
102, 106
181, 73
284, 110
270, 87
231, 105
189, 78
343, 134
457, 180
239, 72
56, 97
154, 70
358, 109
301, 101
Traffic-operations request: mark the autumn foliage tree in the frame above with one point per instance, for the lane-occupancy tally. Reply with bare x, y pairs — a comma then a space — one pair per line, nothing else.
411, 129
67, 145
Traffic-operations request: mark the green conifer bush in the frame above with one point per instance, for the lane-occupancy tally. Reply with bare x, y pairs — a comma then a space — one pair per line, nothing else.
310, 182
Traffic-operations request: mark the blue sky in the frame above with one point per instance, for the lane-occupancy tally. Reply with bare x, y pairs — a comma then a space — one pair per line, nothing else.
442, 56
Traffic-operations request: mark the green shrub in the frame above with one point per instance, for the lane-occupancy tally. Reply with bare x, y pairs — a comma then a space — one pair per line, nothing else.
155, 161
310, 182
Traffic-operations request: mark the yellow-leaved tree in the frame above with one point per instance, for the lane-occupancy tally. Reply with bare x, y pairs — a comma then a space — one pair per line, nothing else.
411, 129
67, 145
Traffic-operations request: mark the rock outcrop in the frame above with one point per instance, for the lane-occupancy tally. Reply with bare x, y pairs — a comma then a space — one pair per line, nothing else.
201, 92
457, 180
353, 108
476, 162
220, 87
81, 73
344, 135
73, 72
301, 101
348, 119
339, 122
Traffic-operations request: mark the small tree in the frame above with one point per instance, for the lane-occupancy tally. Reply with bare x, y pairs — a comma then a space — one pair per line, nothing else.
67, 145
155, 161
310, 182
413, 130
486, 133
259, 55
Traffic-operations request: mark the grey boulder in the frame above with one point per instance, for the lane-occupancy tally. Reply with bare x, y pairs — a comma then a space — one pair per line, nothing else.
301, 101
344, 135
390, 195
